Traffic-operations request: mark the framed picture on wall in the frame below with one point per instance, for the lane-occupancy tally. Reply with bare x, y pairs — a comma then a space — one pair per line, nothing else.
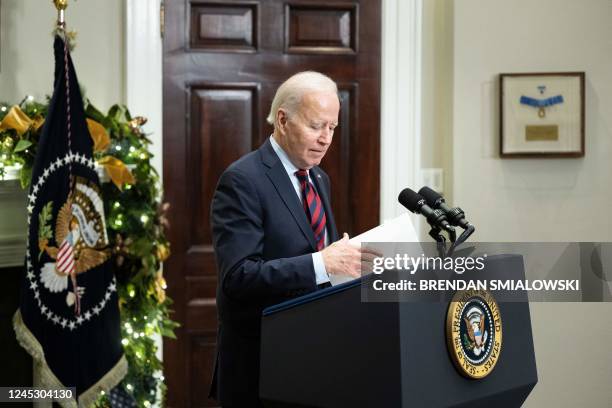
542, 114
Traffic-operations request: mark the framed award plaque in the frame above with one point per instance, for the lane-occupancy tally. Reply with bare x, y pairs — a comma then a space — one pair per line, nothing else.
542, 115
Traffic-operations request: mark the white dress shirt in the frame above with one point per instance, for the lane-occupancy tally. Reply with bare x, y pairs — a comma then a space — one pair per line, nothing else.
317, 259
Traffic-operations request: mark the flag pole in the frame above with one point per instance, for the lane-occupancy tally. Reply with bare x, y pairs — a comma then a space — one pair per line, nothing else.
61, 6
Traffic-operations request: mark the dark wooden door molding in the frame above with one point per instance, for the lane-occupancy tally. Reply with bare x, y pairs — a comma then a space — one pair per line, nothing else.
223, 61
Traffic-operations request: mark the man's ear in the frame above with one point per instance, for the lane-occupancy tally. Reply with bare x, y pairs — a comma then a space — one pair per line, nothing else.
281, 119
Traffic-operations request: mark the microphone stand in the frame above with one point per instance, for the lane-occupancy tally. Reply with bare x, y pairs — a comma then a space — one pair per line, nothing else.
436, 234
462, 238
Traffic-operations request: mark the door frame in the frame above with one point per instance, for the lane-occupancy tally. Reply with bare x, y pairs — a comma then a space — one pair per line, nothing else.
400, 141
401, 103
143, 80
143, 89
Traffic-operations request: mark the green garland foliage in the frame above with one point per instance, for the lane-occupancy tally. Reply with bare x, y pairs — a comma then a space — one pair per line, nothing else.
135, 224
19, 152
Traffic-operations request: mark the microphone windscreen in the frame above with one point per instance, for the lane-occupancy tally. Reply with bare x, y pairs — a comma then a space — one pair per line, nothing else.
410, 199
431, 196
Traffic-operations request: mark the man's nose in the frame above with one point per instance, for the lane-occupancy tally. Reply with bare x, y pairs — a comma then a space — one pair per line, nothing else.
326, 136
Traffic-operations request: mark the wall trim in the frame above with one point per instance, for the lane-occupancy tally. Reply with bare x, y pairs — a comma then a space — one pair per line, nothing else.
400, 160
143, 69
143, 79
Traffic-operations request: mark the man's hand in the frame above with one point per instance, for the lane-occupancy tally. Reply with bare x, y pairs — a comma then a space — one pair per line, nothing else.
343, 258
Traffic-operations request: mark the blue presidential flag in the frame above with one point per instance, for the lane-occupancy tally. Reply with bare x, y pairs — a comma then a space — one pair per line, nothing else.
68, 318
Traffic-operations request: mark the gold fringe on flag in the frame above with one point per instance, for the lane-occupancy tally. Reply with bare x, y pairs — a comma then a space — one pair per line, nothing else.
48, 380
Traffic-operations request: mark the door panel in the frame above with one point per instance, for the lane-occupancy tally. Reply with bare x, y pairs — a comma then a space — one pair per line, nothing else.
321, 28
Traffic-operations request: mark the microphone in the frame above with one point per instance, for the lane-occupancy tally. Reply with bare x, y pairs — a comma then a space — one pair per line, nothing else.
455, 216
418, 205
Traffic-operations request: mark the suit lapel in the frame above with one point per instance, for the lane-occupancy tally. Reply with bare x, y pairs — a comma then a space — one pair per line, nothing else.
279, 178
322, 189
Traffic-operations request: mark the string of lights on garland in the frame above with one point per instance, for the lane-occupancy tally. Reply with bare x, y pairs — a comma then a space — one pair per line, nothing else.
135, 224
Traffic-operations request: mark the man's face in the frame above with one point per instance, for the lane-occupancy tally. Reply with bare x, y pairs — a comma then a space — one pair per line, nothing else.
307, 134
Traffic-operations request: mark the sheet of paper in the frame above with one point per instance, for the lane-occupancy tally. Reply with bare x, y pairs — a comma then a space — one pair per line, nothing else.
399, 229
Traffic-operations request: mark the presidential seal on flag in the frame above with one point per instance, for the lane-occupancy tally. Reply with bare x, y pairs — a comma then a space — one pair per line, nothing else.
81, 229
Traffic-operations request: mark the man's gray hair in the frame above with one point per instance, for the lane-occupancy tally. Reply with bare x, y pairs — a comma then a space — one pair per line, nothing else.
289, 94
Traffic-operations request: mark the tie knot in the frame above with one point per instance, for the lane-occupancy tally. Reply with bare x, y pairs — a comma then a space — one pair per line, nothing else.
302, 175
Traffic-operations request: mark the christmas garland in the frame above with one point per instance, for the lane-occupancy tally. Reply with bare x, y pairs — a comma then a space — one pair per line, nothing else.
135, 225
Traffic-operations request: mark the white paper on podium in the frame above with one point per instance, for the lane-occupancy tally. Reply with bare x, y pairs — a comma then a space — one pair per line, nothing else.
399, 229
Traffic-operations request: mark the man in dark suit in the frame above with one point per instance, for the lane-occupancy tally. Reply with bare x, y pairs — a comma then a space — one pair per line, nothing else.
273, 230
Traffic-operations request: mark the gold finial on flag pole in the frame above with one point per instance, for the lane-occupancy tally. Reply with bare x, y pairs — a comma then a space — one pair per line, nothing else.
60, 5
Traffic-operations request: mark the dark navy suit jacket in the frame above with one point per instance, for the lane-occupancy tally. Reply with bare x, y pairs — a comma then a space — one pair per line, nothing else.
263, 244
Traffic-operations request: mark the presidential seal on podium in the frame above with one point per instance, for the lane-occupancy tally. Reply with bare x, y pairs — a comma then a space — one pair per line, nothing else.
474, 332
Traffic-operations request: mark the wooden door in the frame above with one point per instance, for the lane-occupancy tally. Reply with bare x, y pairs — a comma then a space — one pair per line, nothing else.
223, 61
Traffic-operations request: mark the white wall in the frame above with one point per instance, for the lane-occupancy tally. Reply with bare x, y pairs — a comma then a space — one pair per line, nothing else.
436, 144
539, 199
26, 46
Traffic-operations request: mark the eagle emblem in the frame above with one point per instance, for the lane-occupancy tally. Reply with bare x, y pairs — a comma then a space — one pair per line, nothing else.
477, 333
80, 236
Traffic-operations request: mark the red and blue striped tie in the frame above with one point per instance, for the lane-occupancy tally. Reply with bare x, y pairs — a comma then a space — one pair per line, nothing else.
313, 208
